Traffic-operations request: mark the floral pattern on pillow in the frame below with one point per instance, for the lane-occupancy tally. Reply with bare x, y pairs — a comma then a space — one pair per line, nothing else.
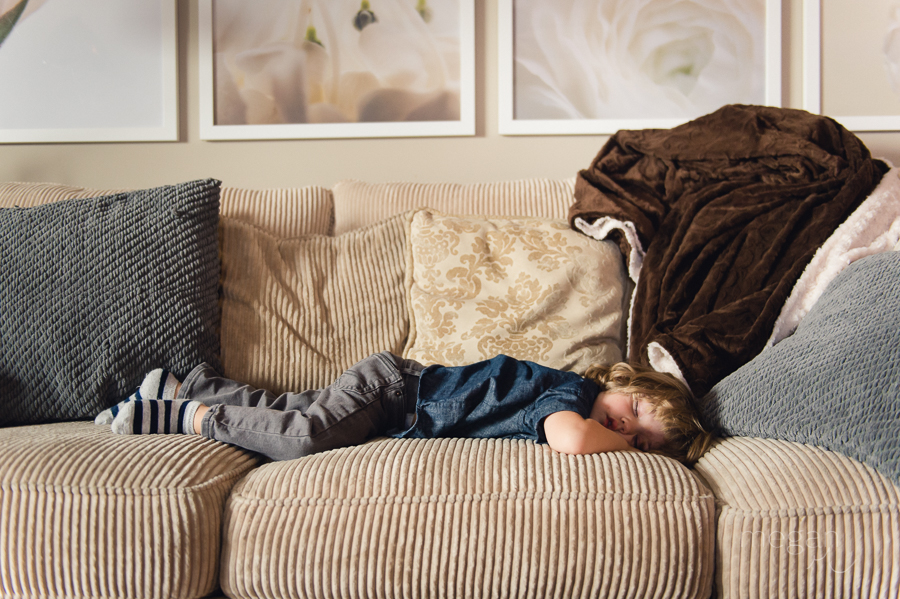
530, 288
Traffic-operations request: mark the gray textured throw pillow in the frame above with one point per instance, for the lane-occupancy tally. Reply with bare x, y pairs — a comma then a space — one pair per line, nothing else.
835, 382
93, 293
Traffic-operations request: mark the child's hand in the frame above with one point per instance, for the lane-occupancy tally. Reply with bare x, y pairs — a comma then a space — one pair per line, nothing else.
568, 432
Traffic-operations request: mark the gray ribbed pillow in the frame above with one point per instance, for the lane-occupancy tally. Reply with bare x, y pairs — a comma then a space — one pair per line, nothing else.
835, 382
95, 292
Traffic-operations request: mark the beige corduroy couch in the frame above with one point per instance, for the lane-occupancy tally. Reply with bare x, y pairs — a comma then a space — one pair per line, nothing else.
314, 279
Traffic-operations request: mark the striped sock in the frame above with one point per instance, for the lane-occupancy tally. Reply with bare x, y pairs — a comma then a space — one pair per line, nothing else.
155, 416
157, 384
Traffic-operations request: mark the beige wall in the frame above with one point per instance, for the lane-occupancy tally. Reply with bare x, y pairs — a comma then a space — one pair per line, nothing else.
259, 164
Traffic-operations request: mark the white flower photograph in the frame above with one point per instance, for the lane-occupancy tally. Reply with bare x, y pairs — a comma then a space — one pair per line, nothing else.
852, 67
595, 66
88, 71
337, 68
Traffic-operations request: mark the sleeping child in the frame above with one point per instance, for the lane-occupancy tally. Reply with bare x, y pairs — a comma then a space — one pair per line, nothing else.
611, 408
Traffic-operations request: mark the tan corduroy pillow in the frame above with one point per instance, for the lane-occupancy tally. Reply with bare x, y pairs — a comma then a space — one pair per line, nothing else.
530, 288
298, 312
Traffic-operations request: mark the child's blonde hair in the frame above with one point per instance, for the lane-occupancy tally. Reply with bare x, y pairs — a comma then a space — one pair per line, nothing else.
670, 402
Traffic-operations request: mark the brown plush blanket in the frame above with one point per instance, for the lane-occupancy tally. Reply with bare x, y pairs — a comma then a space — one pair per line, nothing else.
729, 209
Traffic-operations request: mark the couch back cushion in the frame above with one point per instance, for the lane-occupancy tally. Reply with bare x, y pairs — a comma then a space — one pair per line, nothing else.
296, 312
288, 212
357, 203
283, 212
530, 288
26, 195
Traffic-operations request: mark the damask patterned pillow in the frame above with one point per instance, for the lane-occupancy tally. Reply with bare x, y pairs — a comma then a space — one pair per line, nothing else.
533, 289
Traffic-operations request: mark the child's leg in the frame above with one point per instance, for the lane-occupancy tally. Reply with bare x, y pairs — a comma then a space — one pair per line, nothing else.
366, 401
205, 385
202, 384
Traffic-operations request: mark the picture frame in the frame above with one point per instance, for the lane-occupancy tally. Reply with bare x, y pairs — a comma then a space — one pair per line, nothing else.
862, 96
445, 108
565, 104
90, 71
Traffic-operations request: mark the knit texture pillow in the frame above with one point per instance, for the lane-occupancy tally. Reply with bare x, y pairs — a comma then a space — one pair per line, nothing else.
835, 382
530, 288
95, 292
297, 312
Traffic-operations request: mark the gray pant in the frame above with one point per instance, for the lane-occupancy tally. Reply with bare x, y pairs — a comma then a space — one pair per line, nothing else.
370, 399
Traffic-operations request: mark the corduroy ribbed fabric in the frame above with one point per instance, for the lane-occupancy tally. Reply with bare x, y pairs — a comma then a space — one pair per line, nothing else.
298, 312
287, 212
87, 513
468, 518
26, 195
357, 203
798, 521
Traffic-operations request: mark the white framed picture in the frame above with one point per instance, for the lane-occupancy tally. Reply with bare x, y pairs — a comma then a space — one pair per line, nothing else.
851, 62
305, 69
598, 66
88, 71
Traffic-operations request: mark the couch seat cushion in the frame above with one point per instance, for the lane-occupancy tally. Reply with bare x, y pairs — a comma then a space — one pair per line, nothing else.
798, 521
468, 518
87, 513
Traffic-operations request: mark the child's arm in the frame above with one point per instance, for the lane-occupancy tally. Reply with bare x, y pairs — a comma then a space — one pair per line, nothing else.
568, 432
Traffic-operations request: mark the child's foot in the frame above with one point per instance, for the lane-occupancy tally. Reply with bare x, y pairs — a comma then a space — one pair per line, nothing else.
157, 384
152, 416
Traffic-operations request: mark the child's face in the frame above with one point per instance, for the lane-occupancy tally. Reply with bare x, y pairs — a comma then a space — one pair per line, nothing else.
629, 417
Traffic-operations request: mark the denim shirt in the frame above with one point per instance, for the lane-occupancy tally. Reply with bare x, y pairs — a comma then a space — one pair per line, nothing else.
497, 398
